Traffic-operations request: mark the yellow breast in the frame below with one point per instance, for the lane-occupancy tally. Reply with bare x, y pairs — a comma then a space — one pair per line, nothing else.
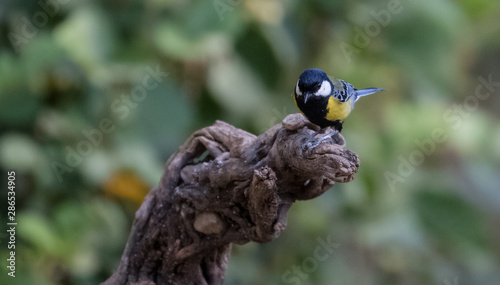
337, 110
295, 100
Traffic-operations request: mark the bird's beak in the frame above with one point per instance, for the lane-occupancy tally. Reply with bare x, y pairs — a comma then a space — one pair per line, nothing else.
307, 95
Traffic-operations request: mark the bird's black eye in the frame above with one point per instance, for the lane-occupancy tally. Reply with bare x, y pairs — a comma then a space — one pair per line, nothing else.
309, 87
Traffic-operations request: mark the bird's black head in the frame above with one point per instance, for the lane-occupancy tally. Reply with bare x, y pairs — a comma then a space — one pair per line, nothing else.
313, 82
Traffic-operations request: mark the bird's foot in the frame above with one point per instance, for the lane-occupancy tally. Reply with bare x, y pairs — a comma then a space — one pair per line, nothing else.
313, 142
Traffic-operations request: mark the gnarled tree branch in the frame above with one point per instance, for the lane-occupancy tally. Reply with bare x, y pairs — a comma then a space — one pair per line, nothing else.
225, 186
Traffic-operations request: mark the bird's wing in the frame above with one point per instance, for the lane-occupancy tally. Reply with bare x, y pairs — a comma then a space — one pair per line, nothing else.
342, 90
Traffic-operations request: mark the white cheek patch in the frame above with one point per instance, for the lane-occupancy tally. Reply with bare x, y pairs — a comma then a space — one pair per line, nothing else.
325, 89
297, 89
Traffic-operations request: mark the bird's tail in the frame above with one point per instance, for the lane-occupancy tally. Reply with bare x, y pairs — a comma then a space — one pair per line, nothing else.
367, 91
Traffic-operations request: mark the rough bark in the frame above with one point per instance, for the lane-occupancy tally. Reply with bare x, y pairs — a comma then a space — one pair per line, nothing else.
225, 186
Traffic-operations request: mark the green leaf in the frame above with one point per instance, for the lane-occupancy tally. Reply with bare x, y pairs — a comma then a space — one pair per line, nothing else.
40, 232
449, 220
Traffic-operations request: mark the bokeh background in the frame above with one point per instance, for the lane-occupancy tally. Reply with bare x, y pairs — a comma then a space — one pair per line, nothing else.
423, 209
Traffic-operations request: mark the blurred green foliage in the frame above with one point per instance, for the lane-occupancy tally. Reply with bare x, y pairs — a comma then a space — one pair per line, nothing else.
423, 209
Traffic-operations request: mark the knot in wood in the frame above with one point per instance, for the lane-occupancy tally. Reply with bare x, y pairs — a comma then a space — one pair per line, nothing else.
208, 223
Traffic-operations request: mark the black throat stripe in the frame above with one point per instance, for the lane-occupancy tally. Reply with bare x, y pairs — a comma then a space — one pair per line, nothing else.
315, 111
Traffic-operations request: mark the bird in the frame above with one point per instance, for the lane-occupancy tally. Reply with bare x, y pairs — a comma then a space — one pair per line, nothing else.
325, 102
